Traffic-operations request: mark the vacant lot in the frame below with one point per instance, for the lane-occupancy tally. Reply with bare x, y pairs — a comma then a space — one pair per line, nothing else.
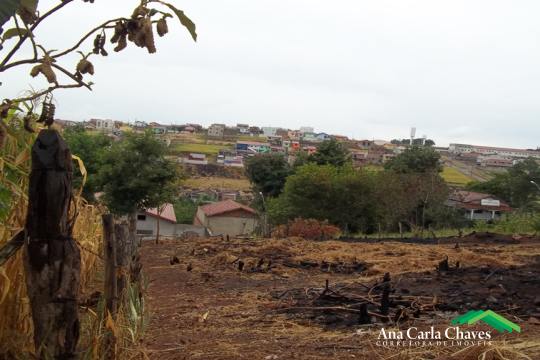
304, 300
454, 177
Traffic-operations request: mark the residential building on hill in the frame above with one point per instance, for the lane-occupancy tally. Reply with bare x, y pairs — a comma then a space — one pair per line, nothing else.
215, 131
242, 129
104, 125
323, 137
258, 147
489, 150
267, 131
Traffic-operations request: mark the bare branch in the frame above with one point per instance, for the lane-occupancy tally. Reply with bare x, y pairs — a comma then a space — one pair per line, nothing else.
46, 91
21, 41
80, 82
102, 26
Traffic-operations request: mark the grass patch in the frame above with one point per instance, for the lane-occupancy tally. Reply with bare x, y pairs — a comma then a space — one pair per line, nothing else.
218, 183
199, 148
479, 174
453, 176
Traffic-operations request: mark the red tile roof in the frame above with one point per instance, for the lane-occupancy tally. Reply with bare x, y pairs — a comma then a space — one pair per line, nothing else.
223, 207
464, 199
507, 149
166, 214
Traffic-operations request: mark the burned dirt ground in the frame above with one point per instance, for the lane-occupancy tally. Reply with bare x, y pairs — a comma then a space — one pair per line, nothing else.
299, 299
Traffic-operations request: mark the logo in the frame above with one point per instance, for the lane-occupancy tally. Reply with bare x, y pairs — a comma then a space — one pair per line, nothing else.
489, 317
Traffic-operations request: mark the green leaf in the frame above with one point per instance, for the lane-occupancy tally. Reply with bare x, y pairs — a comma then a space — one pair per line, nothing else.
153, 12
7, 9
13, 32
184, 20
32, 4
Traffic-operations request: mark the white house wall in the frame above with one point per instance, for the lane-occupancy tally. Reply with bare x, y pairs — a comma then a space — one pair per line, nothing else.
166, 228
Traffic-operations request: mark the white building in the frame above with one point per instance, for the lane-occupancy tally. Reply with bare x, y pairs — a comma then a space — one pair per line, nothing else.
147, 221
488, 150
269, 130
105, 125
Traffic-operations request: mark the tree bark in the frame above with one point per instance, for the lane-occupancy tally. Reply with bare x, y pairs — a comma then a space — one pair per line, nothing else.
52, 260
123, 255
110, 283
132, 234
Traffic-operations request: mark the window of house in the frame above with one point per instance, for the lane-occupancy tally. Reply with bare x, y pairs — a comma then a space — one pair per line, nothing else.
478, 211
141, 217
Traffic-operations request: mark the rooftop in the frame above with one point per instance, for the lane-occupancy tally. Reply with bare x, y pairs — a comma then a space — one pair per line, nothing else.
224, 207
166, 214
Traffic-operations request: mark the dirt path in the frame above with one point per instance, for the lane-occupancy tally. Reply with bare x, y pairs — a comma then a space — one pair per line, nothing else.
215, 311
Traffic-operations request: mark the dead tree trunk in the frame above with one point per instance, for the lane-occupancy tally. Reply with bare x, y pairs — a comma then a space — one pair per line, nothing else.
52, 261
132, 234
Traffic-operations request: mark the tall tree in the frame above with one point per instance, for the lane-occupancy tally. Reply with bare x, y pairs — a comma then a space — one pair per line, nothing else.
89, 148
268, 173
515, 185
416, 159
135, 175
330, 153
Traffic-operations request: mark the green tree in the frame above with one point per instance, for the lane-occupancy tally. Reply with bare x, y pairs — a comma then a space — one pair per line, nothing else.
340, 195
89, 148
135, 175
268, 173
416, 159
330, 152
515, 185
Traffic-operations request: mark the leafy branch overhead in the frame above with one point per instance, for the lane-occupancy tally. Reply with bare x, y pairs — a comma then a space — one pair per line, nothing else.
138, 28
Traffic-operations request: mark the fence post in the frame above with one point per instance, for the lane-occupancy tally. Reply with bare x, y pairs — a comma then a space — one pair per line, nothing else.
109, 246
123, 257
52, 261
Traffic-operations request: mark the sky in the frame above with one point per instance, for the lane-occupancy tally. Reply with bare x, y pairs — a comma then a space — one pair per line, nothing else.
460, 71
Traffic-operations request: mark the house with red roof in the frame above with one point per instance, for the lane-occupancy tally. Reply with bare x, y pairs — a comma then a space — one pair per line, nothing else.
227, 218
147, 221
478, 206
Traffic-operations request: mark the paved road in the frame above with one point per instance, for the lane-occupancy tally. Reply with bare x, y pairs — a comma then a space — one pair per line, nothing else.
466, 171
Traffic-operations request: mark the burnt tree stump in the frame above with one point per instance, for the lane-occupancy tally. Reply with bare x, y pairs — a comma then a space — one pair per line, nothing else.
52, 261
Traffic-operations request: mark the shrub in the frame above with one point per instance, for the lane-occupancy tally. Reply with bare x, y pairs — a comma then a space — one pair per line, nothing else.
308, 229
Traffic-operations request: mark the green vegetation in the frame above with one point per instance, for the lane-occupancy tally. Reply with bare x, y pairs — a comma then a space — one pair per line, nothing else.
199, 148
515, 185
455, 177
135, 175
415, 159
90, 149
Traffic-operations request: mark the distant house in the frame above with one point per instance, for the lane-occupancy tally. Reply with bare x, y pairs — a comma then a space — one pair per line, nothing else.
309, 136
340, 137
104, 125
399, 149
304, 129
294, 134
147, 221
358, 156
287, 145
140, 124
154, 124
194, 158
159, 130
375, 157
278, 149
229, 195
388, 157
275, 140
215, 131
364, 144
242, 129
295, 146
291, 158
309, 149
323, 137
255, 131
227, 218
189, 130
257, 147
267, 131
198, 194
478, 206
